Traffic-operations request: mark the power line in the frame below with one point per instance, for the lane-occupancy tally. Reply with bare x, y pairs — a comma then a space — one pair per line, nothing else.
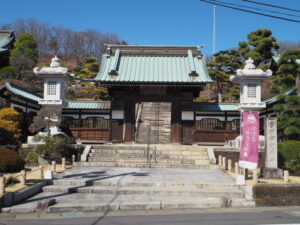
270, 5
259, 9
249, 11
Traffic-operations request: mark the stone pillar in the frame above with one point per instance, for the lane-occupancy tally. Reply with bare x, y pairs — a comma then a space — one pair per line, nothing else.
2, 185
224, 163
23, 177
271, 142
53, 166
255, 177
229, 165
236, 168
41, 174
271, 170
220, 161
286, 176
63, 163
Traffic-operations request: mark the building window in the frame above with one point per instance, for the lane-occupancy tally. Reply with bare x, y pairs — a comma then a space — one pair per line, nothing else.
251, 90
51, 88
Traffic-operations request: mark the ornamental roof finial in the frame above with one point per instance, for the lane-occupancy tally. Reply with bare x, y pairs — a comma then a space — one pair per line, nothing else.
55, 62
249, 64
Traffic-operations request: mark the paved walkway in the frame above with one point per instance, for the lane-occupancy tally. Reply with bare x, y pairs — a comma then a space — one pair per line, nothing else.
148, 175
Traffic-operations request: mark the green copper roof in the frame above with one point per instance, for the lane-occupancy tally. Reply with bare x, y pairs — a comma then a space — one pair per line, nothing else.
87, 104
273, 99
6, 37
21, 92
210, 106
148, 64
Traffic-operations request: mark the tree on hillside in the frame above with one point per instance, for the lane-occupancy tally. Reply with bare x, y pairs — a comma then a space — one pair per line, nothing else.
88, 67
8, 72
289, 106
24, 55
225, 63
63, 41
288, 45
259, 46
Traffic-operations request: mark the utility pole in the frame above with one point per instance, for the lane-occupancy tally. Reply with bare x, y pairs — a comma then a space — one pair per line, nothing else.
214, 51
214, 30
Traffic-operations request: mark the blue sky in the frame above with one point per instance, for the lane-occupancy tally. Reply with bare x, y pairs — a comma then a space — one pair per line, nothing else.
155, 22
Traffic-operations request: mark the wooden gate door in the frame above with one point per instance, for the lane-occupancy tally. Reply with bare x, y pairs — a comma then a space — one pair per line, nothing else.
116, 131
187, 133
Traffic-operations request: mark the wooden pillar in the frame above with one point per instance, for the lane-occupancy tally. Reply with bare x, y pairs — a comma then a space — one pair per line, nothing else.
80, 120
129, 121
175, 122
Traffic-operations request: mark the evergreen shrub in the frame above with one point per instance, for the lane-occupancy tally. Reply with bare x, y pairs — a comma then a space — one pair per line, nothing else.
32, 157
289, 156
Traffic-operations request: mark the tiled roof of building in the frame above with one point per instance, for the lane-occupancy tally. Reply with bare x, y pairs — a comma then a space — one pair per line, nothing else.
273, 99
87, 104
210, 106
6, 37
19, 91
153, 64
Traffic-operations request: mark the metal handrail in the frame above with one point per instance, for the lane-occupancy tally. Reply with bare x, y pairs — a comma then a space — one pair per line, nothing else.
137, 120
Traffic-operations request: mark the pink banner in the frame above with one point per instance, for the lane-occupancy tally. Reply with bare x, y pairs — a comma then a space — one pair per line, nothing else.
250, 141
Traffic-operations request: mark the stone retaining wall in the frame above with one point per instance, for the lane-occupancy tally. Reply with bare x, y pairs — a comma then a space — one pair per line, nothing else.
12, 198
277, 194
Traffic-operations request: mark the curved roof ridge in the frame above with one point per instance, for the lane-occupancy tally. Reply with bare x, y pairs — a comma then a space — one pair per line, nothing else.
20, 91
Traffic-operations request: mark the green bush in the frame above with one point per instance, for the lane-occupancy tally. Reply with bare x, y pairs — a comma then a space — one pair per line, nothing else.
32, 157
54, 147
10, 161
289, 156
11, 181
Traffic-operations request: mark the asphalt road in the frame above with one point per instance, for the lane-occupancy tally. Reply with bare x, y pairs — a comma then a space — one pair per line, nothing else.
257, 217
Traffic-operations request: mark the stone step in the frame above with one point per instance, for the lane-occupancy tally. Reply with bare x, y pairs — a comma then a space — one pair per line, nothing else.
143, 165
201, 156
152, 160
156, 152
144, 191
200, 203
177, 185
145, 147
61, 188
160, 191
207, 186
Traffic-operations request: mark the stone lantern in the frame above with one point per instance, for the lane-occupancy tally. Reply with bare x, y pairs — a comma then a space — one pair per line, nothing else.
54, 82
250, 80
54, 87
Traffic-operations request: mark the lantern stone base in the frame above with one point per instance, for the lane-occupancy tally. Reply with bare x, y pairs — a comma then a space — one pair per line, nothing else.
272, 173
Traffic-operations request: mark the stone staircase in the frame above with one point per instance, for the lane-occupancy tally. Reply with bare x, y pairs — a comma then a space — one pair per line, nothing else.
155, 123
101, 195
153, 156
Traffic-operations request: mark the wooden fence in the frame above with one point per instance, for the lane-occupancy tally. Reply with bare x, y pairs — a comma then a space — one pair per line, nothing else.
214, 130
93, 128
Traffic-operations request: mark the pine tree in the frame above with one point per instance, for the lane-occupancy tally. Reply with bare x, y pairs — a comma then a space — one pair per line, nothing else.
24, 55
259, 46
288, 70
225, 63
289, 106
